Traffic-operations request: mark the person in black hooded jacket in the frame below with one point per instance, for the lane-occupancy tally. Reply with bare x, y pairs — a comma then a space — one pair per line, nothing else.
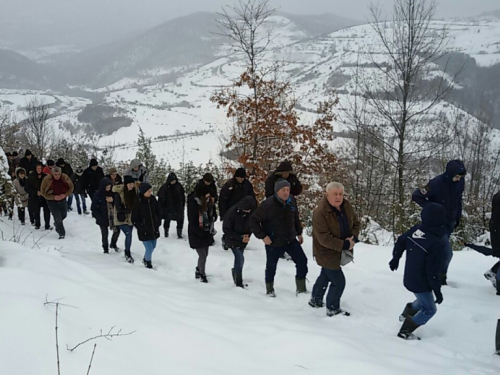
284, 171
36, 201
28, 162
172, 200
91, 178
236, 227
493, 274
424, 244
447, 190
201, 217
102, 212
146, 217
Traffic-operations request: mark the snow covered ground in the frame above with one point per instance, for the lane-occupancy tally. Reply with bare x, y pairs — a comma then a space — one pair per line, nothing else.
186, 327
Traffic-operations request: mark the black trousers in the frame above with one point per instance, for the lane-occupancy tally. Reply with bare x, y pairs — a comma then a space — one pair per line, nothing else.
34, 206
105, 234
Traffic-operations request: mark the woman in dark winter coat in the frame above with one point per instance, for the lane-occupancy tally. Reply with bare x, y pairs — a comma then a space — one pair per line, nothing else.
92, 176
36, 201
201, 218
79, 191
172, 200
124, 200
146, 217
22, 196
237, 231
102, 211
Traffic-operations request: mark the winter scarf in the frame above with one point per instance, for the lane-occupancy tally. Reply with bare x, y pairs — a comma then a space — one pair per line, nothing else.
206, 210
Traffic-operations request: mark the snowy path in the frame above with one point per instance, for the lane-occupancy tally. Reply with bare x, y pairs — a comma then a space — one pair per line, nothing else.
185, 327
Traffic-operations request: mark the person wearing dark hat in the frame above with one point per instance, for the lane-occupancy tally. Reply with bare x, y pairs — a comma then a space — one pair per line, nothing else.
113, 175
447, 190
28, 162
36, 201
233, 191
12, 166
276, 222
146, 217
172, 200
102, 212
68, 171
22, 196
79, 191
55, 188
208, 180
424, 244
284, 171
237, 231
201, 217
124, 200
92, 177
50, 164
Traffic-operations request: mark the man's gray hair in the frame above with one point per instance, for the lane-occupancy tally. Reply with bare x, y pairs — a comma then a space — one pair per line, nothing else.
334, 185
56, 170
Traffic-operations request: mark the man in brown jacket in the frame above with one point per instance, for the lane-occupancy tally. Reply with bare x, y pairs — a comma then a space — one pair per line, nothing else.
335, 229
55, 188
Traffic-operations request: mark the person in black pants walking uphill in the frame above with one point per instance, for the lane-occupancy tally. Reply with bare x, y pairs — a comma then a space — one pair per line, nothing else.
102, 212
172, 200
276, 222
236, 228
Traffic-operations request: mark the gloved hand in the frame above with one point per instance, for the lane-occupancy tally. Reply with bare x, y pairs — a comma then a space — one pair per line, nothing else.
394, 264
439, 296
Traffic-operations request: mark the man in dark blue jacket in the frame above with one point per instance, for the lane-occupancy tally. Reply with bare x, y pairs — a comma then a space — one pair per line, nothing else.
424, 245
446, 190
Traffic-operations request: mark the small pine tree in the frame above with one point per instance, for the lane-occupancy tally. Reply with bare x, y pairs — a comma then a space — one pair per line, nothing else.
145, 152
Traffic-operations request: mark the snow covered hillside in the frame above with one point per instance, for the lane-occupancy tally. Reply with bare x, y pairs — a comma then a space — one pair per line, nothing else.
172, 104
186, 327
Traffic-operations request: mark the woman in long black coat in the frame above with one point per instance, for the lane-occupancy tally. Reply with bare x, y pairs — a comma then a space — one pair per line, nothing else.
172, 200
201, 218
146, 217
102, 212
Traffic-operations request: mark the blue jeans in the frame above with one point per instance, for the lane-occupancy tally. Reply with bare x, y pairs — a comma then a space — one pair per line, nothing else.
337, 286
293, 249
447, 252
149, 246
425, 306
77, 198
127, 230
239, 260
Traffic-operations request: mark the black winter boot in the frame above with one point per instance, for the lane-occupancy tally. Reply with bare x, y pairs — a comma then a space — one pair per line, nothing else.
407, 312
234, 275
203, 278
239, 280
197, 273
166, 233
179, 233
301, 286
316, 304
406, 331
149, 264
270, 290
497, 340
128, 257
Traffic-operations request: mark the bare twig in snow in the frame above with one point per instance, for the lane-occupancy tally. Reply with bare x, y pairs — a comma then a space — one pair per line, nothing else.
107, 336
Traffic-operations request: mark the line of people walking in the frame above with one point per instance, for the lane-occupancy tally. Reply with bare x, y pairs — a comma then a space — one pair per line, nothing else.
120, 204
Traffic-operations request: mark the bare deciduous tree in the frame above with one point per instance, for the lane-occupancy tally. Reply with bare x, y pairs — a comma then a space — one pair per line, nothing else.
38, 133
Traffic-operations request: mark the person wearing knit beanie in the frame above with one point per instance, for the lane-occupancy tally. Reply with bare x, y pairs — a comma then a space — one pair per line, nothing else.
144, 187
128, 180
280, 184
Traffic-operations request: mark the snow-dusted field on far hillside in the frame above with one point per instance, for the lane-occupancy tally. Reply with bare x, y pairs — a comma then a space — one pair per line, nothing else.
185, 327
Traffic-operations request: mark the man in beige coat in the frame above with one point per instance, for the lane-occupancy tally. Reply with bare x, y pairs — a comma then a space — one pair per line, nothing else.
55, 188
335, 229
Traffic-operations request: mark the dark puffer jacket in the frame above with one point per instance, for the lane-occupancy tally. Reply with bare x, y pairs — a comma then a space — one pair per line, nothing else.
295, 185
280, 221
172, 199
232, 192
78, 184
199, 235
237, 222
444, 191
91, 180
495, 225
424, 245
100, 208
146, 217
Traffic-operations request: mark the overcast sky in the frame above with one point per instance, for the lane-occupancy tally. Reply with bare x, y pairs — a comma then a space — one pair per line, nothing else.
110, 19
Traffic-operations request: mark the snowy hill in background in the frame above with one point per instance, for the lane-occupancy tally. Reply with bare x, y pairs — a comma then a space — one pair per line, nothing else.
185, 327
162, 79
